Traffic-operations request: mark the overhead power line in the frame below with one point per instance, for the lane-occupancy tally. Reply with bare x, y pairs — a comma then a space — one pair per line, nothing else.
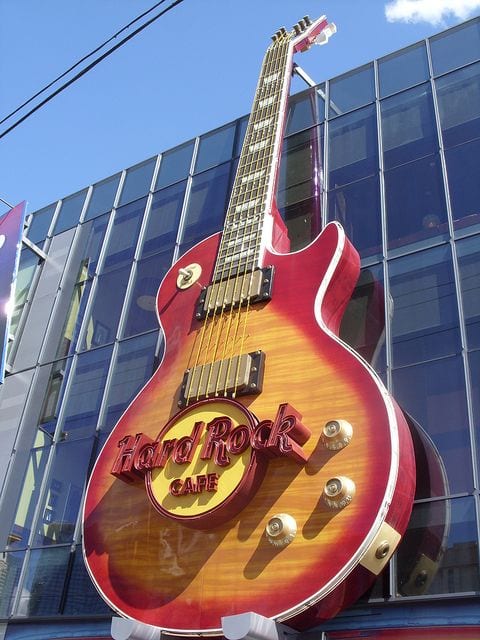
90, 66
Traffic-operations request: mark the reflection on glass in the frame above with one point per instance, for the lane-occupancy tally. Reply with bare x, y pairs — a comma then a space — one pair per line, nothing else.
26, 270
408, 125
439, 553
474, 363
352, 90
10, 567
61, 503
43, 584
55, 389
175, 165
207, 203
215, 147
455, 47
425, 317
103, 196
353, 152
141, 314
85, 395
124, 234
468, 252
459, 105
240, 135
163, 219
433, 393
81, 597
303, 112
415, 203
70, 211
108, 300
403, 69
137, 181
464, 185
40, 224
133, 367
357, 207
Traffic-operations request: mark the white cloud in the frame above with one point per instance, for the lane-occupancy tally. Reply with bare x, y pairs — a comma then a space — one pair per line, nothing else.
433, 11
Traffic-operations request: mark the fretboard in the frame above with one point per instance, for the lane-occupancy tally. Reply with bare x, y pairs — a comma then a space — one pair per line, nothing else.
252, 192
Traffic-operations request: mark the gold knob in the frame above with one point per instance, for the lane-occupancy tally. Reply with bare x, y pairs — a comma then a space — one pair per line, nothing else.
338, 492
336, 434
281, 529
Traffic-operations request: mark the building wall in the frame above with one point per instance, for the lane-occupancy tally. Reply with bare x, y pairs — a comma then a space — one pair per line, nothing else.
391, 150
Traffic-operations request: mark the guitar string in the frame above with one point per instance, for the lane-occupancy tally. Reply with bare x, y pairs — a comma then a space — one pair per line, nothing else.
257, 163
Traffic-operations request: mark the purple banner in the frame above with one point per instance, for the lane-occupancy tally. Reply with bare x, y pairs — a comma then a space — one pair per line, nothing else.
11, 229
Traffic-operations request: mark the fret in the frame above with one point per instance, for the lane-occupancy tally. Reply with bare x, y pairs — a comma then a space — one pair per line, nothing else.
266, 101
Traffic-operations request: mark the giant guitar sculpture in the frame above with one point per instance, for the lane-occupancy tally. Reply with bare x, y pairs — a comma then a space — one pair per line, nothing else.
264, 467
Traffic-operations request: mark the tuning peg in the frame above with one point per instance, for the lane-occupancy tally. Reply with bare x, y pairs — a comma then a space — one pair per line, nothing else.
307, 20
297, 29
302, 25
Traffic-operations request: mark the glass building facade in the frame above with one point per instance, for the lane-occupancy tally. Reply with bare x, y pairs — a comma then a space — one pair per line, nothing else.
391, 150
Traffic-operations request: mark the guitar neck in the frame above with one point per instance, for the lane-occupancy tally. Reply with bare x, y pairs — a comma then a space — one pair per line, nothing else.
248, 223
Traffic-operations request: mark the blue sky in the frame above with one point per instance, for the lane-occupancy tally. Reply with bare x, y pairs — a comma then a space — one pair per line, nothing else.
191, 71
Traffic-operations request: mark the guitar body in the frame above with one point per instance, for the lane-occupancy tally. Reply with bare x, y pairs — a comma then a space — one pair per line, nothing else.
159, 571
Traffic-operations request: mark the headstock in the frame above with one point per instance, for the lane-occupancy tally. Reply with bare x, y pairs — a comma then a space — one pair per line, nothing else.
306, 32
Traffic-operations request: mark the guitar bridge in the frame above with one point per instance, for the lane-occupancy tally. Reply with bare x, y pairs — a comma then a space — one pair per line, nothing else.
237, 291
238, 376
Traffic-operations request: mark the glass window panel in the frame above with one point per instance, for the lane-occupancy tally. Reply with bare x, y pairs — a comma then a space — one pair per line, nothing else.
103, 196
61, 503
207, 203
137, 181
44, 582
175, 165
403, 69
134, 365
433, 393
58, 374
87, 248
474, 363
10, 567
455, 47
40, 224
107, 304
463, 183
468, 252
86, 393
439, 552
163, 219
408, 126
459, 105
73, 322
352, 90
124, 234
240, 136
425, 316
415, 203
302, 112
353, 152
82, 598
70, 211
26, 270
357, 207
215, 148
141, 314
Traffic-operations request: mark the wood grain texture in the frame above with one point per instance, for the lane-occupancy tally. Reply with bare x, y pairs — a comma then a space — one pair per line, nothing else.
162, 573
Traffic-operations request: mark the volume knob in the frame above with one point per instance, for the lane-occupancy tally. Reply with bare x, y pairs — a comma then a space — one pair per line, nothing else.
281, 529
336, 434
338, 492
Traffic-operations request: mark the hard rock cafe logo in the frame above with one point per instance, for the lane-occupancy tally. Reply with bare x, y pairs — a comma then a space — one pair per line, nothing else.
208, 461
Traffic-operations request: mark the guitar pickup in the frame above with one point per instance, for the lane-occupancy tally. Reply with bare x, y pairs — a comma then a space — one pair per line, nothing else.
238, 291
238, 376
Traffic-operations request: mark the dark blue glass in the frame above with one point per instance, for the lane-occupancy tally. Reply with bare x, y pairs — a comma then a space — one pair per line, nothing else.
415, 203
54, 378
433, 393
70, 211
82, 599
351, 90
137, 181
474, 364
40, 224
302, 112
464, 183
175, 165
425, 314
44, 581
459, 105
408, 126
134, 365
141, 314
162, 224
468, 252
124, 235
215, 148
455, 47
353, 149
207, 203
103, 197
403, 69
357, 207
12, 563
240, 134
